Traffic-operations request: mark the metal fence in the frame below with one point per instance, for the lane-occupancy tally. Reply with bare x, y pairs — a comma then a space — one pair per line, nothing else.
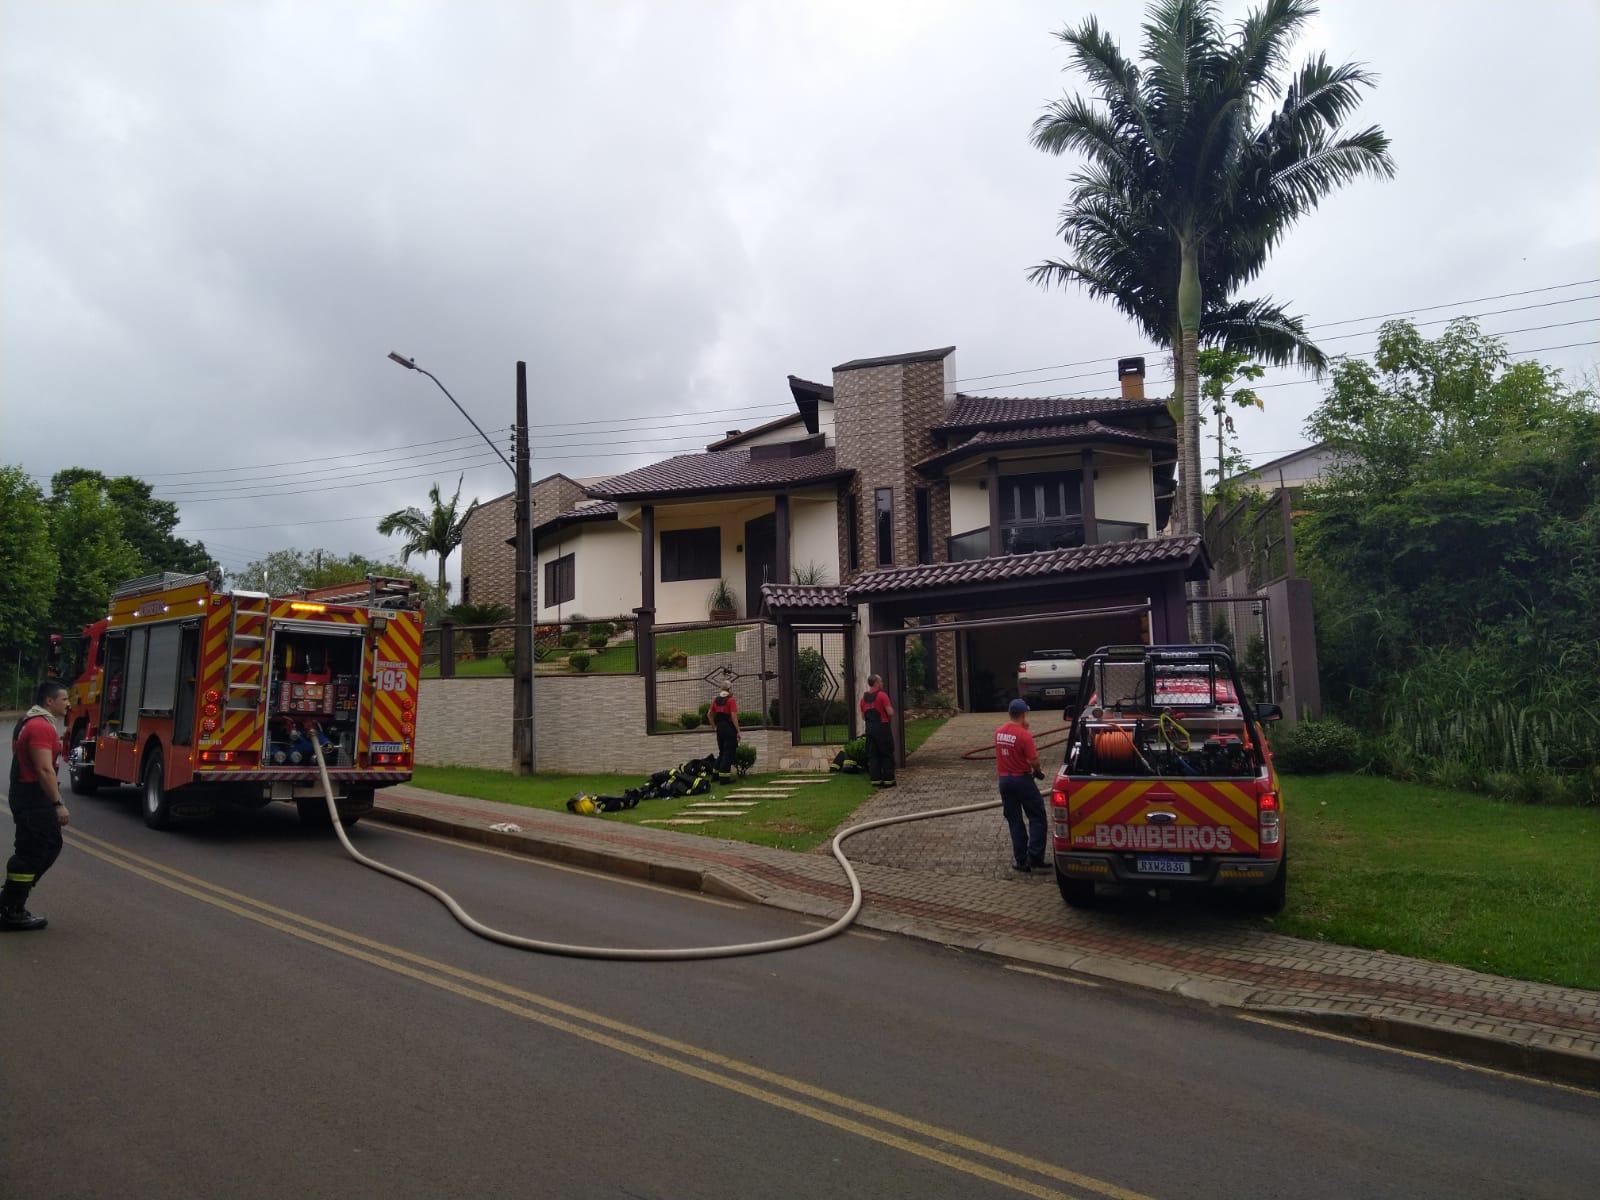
1242, 624
586, 647
696, 660
1252, 540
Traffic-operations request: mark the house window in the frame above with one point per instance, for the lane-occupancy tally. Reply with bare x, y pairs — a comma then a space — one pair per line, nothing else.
466, 589
1041, 512
883, 511
852, 520
691, 554
924, 527
560, 580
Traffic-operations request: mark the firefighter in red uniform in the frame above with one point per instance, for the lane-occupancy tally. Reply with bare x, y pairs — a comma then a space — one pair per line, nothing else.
36, 804
1016, 761
877, 712
725, 720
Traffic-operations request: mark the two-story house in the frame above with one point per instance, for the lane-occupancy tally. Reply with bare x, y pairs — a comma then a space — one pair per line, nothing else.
899, 500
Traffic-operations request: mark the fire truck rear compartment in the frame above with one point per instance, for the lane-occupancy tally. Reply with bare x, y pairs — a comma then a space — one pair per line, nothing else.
315, 680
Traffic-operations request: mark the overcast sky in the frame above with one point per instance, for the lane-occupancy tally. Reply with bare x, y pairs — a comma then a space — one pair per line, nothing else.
216, 220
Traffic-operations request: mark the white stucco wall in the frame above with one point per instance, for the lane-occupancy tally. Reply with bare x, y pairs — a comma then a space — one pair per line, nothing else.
969, 505
685, 600
794, 431
814, 534
606, 566
1123, 491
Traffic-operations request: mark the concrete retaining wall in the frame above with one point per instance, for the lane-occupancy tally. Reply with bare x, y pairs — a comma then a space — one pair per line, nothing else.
585, 724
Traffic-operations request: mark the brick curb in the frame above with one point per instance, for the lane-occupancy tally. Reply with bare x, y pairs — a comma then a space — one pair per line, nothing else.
1487, 1049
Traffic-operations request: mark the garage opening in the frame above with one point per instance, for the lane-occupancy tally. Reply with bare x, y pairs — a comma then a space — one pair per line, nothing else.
990, 655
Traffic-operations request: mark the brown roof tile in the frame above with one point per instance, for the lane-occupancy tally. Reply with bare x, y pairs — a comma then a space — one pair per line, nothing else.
801, 595
1012, 412
1183, 551
596, 510
719, 471
1083, 431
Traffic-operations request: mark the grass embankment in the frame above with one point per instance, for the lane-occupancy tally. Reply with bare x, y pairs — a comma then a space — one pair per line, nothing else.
616, 659
798, 822
1448, 876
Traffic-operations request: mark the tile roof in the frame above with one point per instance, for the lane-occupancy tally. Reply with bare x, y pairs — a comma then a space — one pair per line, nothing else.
734, 438
594, 510
1183, 551
719, 471
1002, 412
1000, 439
802, 595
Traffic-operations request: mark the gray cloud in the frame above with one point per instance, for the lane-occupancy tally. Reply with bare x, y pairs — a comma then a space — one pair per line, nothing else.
217, 220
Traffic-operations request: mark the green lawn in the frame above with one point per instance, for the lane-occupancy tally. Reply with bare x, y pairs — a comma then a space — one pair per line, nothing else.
1448, 876
920, 729
800, 822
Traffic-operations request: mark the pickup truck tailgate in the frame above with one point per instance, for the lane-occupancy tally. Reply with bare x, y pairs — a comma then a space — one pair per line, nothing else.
1191, 816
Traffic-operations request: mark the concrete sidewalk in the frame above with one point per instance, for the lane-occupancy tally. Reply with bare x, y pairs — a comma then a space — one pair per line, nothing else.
1540, 1029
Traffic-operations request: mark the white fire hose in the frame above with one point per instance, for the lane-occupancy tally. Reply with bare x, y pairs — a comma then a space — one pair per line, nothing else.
639, 954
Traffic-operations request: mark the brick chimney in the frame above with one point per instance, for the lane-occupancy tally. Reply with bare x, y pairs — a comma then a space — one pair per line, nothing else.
1130, 371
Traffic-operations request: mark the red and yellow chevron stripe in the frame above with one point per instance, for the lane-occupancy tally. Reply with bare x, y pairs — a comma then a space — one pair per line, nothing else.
393, 669
1211, 804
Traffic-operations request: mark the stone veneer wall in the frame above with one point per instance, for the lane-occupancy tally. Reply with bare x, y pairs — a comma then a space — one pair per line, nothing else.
585, 724
883, 420
487, 561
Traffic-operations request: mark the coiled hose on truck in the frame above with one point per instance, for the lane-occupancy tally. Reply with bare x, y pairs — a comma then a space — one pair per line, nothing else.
638, 954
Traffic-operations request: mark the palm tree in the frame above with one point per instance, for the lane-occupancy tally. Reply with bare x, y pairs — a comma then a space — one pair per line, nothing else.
1186, 149
438, 531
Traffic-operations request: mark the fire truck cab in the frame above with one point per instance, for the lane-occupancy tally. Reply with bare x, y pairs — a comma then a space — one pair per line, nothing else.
204, 697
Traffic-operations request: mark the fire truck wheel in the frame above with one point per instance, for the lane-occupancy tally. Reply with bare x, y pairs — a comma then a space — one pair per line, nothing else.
1079, 893
81, 781
157, 810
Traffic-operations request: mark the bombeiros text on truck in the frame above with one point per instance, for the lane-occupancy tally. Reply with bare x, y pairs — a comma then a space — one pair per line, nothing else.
1168, 779
205, 697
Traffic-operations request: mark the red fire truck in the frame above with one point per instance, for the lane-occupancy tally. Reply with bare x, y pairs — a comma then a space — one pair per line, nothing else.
203, 696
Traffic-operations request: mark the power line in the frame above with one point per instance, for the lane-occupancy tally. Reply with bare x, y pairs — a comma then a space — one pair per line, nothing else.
328, 458
1555, 287
246, 485
335, 487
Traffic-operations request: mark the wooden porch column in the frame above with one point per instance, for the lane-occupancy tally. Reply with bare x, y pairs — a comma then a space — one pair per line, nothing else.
994, 508
1091, 528
780, 510
644, 638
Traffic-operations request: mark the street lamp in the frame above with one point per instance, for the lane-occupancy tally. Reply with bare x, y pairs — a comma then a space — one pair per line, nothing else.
522, 486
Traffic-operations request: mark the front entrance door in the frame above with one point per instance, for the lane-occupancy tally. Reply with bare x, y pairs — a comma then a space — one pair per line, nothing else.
760, 559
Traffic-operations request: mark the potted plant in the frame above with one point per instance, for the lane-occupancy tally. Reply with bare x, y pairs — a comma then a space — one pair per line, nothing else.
724, 603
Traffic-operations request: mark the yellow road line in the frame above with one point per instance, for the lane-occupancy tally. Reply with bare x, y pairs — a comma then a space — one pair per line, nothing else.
554, 866
1021, 970
279, 919
1433, 1058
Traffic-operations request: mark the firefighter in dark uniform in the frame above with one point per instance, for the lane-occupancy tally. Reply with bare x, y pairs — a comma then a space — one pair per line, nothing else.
877, 712
725, 720
36, 805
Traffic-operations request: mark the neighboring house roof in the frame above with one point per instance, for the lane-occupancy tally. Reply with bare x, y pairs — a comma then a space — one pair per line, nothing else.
719, 471
1286, 460
890, 360
743, 435
1016, 412
594, 510
1003, 439
1184, 551
804, 596
577, 483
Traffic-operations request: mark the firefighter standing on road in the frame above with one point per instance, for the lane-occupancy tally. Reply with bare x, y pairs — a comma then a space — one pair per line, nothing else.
877, 712
725, 720
36, 804
1016, 760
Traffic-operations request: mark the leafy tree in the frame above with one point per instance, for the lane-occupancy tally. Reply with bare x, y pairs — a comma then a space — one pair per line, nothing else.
284, 571
1181, 148
1455, 548
93, 555
28, 564
1219, 371
147, 523
438, 531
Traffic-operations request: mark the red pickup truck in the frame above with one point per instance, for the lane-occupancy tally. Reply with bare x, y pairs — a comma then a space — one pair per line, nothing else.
1168, 779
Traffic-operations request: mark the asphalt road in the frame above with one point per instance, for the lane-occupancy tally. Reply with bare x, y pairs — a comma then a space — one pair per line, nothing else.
240, 1011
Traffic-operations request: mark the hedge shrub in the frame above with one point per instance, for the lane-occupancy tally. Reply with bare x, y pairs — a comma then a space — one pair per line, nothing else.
580, 660
1316, 747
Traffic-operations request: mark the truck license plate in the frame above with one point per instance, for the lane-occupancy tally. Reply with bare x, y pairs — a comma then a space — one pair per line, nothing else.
1162, 866
1060, 691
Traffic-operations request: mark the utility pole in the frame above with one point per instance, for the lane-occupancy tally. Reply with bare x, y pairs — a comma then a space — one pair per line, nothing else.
523, 659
